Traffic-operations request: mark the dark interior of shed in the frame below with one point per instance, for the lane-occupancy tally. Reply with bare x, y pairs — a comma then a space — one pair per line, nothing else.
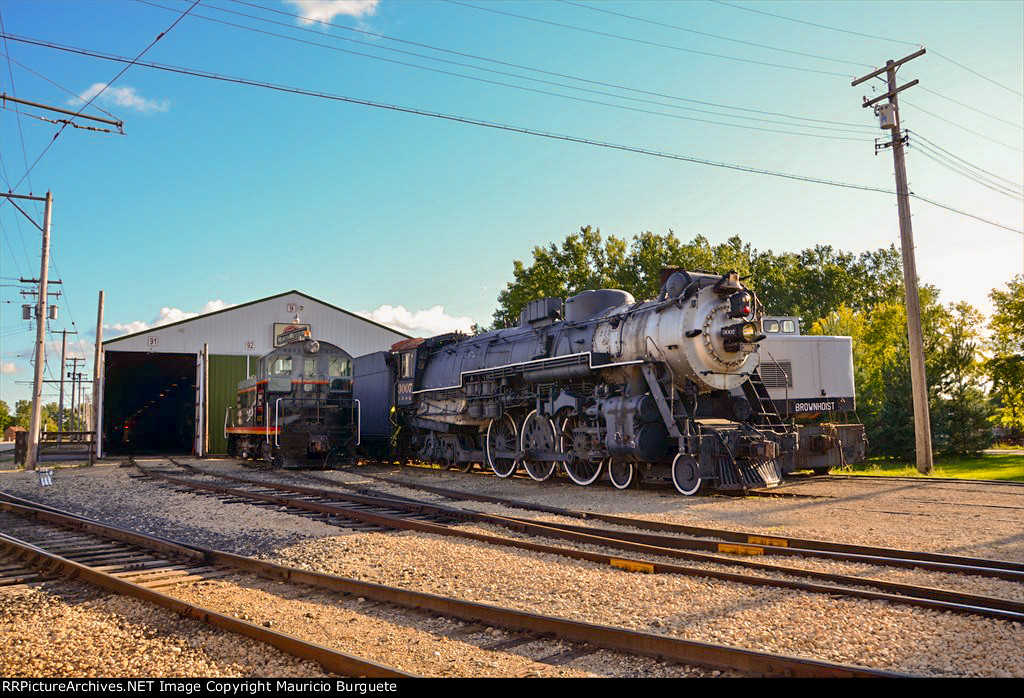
149, 403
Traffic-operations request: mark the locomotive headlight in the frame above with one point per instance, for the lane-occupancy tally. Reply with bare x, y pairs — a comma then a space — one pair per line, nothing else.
742, 336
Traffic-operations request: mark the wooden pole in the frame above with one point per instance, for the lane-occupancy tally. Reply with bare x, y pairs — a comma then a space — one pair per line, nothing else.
37, 383
97, 364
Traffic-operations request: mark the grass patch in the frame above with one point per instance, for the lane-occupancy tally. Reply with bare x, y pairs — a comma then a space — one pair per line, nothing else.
990, 466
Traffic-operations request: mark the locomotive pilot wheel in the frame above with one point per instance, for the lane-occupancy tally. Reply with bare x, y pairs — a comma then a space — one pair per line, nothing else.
685, 474
621, 474
538, 435
502, 440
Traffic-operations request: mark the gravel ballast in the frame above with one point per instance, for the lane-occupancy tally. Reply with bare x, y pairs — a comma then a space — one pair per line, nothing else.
987, 523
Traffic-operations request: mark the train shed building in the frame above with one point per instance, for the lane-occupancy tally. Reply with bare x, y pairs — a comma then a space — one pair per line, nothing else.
167, 389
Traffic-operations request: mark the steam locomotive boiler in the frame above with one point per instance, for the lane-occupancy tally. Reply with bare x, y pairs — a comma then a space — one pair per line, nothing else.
603, 383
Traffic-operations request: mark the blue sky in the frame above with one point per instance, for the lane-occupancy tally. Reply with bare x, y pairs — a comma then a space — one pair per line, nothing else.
221, 193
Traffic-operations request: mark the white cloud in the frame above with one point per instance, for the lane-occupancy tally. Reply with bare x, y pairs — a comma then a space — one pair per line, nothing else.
8, 367
421, 323
122, 97
166, 316
326, 10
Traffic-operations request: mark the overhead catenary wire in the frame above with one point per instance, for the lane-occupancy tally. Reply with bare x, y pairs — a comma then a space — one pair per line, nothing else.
101, 91
492, 125
863, 130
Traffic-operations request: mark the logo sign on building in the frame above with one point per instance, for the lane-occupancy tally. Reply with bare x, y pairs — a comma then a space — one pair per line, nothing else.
288, 332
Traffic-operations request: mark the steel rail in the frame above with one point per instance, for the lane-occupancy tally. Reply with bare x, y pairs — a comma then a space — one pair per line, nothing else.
925, 597
768, 541
637, 642
759, 546
331, 660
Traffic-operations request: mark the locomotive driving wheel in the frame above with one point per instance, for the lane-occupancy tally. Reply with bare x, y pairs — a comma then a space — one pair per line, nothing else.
685, 474
621, 474
538, 435
574, 442
502, 442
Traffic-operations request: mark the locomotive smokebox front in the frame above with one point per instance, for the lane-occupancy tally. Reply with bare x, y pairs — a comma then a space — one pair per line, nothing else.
708, 335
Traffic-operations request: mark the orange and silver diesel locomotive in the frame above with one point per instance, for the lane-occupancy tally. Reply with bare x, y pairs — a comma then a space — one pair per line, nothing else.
298, 410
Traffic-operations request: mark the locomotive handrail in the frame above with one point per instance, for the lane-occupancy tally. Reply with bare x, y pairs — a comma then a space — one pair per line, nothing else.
359, 422
227, 412
277, 422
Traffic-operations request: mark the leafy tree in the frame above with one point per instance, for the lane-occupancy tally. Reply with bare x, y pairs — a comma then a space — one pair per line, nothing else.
1006, 344
961, 416
6, 418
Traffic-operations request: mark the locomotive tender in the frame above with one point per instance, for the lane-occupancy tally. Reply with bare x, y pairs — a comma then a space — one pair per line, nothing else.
660, 389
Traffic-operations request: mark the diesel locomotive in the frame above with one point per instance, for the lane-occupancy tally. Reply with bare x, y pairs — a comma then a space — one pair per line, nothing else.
298, 410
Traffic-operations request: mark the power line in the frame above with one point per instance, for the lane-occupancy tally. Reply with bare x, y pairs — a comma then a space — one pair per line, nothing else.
521, 77
964, 128
974, 109
530, 89
958, 169
870, 36
1018, 185
103, 89
488, 124
713, 36
384, 37
648, 43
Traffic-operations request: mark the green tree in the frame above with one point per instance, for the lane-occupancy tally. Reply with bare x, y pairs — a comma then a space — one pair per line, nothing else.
6, 418
1005, 366
960, 420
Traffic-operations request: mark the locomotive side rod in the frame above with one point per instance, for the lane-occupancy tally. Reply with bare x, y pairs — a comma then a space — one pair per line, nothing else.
924, 596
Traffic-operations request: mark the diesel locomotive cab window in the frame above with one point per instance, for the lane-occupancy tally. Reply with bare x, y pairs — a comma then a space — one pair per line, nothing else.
771, 326
308, 374
338, 368
788, 326
283, 364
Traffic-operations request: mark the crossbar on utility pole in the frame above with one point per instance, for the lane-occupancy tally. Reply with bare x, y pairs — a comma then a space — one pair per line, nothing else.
918, 378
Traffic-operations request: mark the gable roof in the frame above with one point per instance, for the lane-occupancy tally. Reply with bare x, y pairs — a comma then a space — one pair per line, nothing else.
150, 330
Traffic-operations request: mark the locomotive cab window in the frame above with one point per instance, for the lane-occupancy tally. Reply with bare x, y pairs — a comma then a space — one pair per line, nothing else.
308, 374
408, 359
771, 326
338, 368
283, 364
788, 326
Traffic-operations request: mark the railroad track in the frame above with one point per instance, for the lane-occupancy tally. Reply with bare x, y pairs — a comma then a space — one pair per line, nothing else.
390, 512
40, 545
49, 527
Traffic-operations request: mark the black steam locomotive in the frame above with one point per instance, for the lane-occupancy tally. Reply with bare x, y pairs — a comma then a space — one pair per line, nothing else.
665, 389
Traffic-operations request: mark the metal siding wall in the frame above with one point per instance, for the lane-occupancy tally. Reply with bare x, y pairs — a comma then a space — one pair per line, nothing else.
225, 374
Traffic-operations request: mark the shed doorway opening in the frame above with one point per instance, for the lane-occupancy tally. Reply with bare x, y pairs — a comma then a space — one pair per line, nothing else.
149, 403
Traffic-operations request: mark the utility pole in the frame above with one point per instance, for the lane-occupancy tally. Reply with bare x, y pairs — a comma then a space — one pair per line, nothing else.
96, 367
75, 378
889, 116
60, 403
37, 383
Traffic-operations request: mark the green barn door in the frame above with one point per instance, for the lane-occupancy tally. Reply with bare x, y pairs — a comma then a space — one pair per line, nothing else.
226, 372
